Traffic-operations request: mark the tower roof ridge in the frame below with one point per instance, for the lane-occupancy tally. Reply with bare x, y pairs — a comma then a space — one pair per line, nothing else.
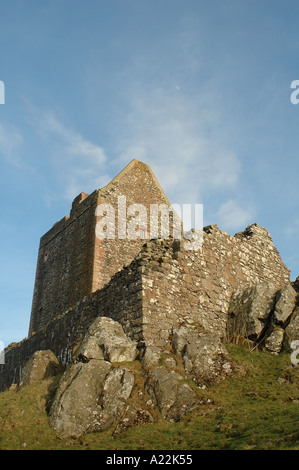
130, 167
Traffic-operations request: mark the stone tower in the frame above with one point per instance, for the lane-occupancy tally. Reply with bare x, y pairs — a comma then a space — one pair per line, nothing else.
72, 261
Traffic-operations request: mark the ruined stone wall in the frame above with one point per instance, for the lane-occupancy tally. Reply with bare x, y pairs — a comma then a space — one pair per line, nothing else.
195, 287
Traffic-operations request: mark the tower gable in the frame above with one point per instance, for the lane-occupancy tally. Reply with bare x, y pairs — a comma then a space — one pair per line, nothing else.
72, 261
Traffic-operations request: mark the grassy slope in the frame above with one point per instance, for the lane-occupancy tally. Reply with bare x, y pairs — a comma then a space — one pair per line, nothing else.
254, 412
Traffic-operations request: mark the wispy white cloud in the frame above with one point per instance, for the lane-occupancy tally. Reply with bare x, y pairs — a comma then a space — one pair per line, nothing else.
78, 164
293, 228
80, 160
73, 142
231, 216
175, 135
11, 142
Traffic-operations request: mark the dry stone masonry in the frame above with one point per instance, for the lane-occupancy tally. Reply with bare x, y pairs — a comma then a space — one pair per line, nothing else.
106, 310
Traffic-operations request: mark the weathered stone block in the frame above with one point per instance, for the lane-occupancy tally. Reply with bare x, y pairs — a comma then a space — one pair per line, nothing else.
292, 330
106, 340
274, 340
75, 409
206, 360
285, 304
42, 365
250, 310
174, 399
117, 389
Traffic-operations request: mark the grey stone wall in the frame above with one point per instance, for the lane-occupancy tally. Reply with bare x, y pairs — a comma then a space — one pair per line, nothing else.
195, 287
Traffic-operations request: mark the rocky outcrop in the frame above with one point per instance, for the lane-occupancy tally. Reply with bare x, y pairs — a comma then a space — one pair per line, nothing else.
249, 310
95, 392
117, 389
265, 315
75, 409
92, 393
41, 365
106, 340
90, 397
173, 397
292, 330
284, 304
206, 360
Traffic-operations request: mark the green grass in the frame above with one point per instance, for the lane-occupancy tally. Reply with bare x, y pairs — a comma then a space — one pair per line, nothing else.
253, 412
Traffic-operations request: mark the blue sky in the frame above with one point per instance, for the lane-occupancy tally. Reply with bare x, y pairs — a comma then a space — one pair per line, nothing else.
198, 89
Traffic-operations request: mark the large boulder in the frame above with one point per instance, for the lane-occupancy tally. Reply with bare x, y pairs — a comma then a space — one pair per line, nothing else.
117, 389
249, 311
284, 304
173, 397
274, 340
150, 357
106, 340
206, 360
75, 408
92, 393
41, 365
292, 330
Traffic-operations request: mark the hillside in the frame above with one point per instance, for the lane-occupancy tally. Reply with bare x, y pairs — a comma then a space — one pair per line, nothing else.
258, 411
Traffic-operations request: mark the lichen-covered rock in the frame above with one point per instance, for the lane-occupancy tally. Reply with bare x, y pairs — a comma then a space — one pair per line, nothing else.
173, 397
284, 304
274, 340
205, 358
75, 409
292, 330
151, 357
250, 310
106, 340
92, 394
117, 389
41, 365
181, 338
